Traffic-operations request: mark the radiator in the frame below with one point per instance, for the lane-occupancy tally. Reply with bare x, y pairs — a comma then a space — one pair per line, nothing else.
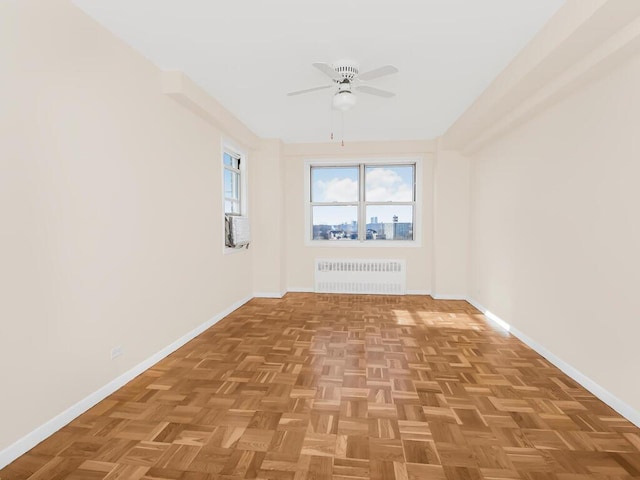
342, 275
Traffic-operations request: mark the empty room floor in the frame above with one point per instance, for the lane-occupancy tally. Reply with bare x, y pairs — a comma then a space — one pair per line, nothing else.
317, 386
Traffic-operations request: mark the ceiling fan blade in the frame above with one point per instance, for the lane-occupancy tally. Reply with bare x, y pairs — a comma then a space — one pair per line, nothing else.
375, 91
328, 70
378, 72
307, 90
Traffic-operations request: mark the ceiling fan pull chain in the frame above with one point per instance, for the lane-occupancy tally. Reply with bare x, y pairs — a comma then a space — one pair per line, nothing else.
331, 120
342, 132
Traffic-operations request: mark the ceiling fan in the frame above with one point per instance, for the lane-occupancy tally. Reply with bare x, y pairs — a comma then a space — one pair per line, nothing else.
346, 77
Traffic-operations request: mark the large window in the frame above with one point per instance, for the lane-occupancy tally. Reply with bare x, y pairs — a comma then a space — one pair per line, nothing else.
365, 202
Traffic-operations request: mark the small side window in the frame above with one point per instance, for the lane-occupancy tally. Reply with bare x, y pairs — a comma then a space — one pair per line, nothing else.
234, 182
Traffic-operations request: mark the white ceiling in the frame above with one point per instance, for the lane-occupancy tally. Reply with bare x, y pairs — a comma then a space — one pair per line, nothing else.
249, 53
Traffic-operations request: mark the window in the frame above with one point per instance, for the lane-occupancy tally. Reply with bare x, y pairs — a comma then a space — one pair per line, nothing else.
234, 198
372, 202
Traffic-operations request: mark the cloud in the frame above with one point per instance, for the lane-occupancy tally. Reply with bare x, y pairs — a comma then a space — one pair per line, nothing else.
382, 185
337, 190
385, 185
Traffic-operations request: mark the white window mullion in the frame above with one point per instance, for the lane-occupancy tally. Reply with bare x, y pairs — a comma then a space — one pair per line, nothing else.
362, 222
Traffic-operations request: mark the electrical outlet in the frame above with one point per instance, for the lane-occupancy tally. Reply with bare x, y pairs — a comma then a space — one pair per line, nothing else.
116, 352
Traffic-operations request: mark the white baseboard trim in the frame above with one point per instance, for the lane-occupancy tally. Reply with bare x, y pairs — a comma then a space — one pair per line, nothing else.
310, 290
47, 429
448, 296
477, 305
494, 318
269, 294
300, 289
602, 393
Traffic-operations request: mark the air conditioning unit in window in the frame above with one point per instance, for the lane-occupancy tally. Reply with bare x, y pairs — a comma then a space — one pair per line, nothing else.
237, 231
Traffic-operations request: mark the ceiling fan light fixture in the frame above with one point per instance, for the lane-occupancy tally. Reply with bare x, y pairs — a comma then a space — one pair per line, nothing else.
344, 101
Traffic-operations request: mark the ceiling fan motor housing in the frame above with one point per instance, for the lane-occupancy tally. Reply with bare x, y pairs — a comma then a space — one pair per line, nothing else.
348, 71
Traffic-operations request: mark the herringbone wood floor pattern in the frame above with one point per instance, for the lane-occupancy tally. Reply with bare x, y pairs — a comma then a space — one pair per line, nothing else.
345, 387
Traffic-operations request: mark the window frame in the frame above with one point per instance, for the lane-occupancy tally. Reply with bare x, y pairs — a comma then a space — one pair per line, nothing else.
234, 151
361, 204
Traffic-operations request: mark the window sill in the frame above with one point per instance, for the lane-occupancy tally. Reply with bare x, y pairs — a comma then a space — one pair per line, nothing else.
233, 251
363, 244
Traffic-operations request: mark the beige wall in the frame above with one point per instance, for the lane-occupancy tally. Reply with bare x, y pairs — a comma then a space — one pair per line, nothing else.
450, 271
301, 257
110, 200
556, 228
268, 196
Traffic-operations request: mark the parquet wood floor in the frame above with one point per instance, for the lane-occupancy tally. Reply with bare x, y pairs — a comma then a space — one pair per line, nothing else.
345, 387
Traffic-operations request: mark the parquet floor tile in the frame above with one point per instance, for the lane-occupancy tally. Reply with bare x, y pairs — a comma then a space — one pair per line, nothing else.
345, 387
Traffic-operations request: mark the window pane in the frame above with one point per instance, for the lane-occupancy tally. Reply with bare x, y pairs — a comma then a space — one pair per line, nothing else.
389, 222
228, 183
232, 206
231, 184
334, 184
335, 223
389, 183
230, 160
